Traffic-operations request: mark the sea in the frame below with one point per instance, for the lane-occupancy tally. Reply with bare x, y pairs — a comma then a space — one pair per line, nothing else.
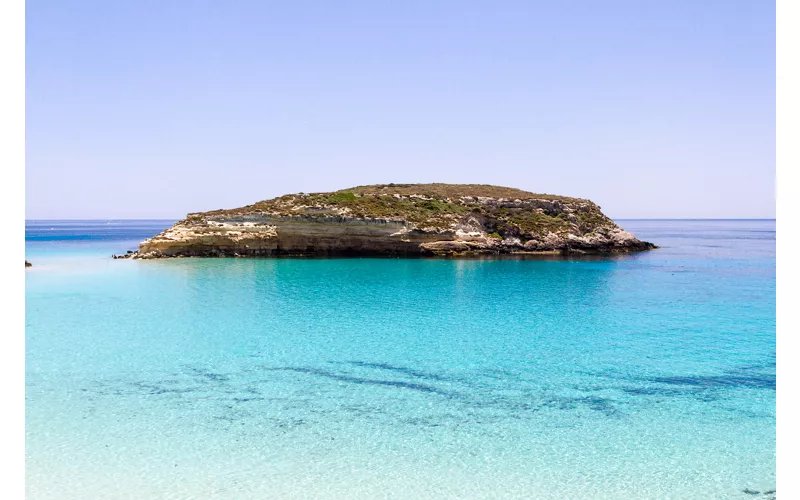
642, 376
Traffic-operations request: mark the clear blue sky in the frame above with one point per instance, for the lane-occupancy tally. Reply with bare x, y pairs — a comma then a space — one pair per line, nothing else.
152, 109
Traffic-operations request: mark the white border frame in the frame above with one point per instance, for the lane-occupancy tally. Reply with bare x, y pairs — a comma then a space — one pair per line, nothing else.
12, 248
787, 195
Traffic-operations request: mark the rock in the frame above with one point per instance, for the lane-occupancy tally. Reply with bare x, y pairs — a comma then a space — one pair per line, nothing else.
28, 264
397, 219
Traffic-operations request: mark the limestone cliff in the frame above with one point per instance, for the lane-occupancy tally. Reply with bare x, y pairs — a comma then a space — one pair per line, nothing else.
397, 219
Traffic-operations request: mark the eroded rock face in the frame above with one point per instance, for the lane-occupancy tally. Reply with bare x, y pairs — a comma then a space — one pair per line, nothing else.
432, 219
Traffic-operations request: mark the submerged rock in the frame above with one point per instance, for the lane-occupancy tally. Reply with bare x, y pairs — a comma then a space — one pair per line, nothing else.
397, 219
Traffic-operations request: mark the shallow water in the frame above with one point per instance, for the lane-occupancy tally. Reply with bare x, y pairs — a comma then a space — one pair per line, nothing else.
645, 376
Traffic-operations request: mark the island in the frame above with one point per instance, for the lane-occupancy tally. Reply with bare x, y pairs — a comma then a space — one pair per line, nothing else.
397, 220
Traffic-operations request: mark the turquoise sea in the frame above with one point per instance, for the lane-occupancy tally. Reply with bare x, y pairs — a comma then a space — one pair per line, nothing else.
649, 376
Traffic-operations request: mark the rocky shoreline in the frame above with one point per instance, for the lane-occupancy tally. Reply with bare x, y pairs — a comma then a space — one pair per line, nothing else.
397, 220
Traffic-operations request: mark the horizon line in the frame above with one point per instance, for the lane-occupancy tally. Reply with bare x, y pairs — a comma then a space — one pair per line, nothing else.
612, 218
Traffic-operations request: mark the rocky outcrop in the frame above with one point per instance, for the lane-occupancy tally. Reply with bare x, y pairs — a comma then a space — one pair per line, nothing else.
406, 219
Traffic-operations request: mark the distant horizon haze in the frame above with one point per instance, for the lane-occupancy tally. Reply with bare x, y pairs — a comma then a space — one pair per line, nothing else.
152, 110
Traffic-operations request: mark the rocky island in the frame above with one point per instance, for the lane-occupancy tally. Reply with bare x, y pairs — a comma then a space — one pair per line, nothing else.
400, 220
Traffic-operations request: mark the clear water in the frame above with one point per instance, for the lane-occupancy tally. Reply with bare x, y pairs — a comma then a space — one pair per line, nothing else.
646, 376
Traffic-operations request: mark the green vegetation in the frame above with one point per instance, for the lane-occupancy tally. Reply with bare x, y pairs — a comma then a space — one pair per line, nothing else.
537, 223
342, 197
443, 207
428, 212
591, 219
454, 191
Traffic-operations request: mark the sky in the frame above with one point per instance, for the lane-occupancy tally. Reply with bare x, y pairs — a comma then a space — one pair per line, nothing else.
153, 109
